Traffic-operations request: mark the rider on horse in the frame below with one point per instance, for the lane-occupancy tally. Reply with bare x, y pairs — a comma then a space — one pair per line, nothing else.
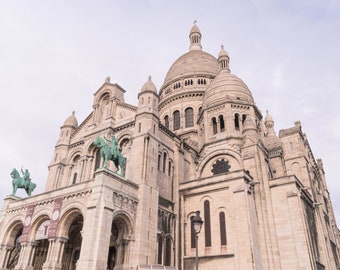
114, 146
26, 176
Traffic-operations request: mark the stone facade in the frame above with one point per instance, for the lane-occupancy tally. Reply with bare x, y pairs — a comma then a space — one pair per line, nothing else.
199, 143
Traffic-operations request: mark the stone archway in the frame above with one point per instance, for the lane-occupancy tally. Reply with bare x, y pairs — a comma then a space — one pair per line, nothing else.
41, 243
119, 249
13, 247
73, 245
40, 254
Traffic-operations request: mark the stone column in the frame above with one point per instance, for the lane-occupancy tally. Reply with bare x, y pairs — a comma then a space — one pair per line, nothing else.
55, 253
5, 251
122, 255
26, 256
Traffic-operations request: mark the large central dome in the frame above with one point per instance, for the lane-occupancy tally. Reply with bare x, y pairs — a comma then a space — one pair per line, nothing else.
193, 63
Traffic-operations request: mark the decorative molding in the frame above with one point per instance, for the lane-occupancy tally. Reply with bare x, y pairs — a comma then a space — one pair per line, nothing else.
123, 202
78, 195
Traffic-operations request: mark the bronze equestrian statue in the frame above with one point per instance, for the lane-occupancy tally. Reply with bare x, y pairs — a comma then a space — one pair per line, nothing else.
111, 152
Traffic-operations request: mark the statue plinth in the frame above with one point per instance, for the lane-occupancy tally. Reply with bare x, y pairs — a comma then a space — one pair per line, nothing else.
8, 199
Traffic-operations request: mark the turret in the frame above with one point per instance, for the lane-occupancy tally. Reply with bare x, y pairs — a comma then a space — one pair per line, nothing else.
67, 129
271, 140
57, 164
195, 38
223, 60
148, 99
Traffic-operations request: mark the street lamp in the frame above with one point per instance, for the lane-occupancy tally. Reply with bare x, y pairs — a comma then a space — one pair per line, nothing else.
197, 223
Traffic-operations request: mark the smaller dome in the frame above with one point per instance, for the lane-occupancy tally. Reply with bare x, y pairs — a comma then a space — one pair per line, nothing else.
149, 86
227, 86
71, 121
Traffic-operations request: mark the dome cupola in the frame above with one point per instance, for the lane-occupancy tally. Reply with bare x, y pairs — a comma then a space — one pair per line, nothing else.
223, 60
149, 86
195, 38
195, 63
271, 140
148, 98
71, 121
226, 86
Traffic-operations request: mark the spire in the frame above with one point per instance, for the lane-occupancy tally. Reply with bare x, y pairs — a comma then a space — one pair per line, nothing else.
272, 141
195, 38
269, 123
223, 60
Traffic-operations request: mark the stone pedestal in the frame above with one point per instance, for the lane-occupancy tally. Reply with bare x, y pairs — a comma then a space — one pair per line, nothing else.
9, 199
97, 223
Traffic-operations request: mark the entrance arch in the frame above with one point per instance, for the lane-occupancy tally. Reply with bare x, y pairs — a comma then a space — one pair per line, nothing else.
41, 243
12, 245
72, 226
121, 232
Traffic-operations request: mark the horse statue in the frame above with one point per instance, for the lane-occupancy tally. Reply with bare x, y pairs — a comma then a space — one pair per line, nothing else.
111, 153
22, 182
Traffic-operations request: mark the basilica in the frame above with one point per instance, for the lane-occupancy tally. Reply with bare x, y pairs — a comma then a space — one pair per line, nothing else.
198, 148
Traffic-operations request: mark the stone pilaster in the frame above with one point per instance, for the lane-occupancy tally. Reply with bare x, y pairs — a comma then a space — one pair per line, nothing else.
96, 242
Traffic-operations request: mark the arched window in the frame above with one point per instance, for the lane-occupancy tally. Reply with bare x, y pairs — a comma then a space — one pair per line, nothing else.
236, 121
166, 121
169, 169
207, 228
164, 162
98, 160
199, 110
192, 233
160, 249
244, 117
220, 118
167, 254
189, 117
159, 161
214, 125
74, 180
223, 233
177, 120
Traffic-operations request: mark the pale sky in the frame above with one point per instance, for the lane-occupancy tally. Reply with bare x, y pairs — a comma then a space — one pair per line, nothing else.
55, 54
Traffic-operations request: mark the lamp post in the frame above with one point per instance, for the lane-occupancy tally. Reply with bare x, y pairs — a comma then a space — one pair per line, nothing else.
197, 223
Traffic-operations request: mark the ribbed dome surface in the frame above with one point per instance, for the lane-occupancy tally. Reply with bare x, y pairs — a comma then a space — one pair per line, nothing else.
227, 85
71, 121
194, 62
